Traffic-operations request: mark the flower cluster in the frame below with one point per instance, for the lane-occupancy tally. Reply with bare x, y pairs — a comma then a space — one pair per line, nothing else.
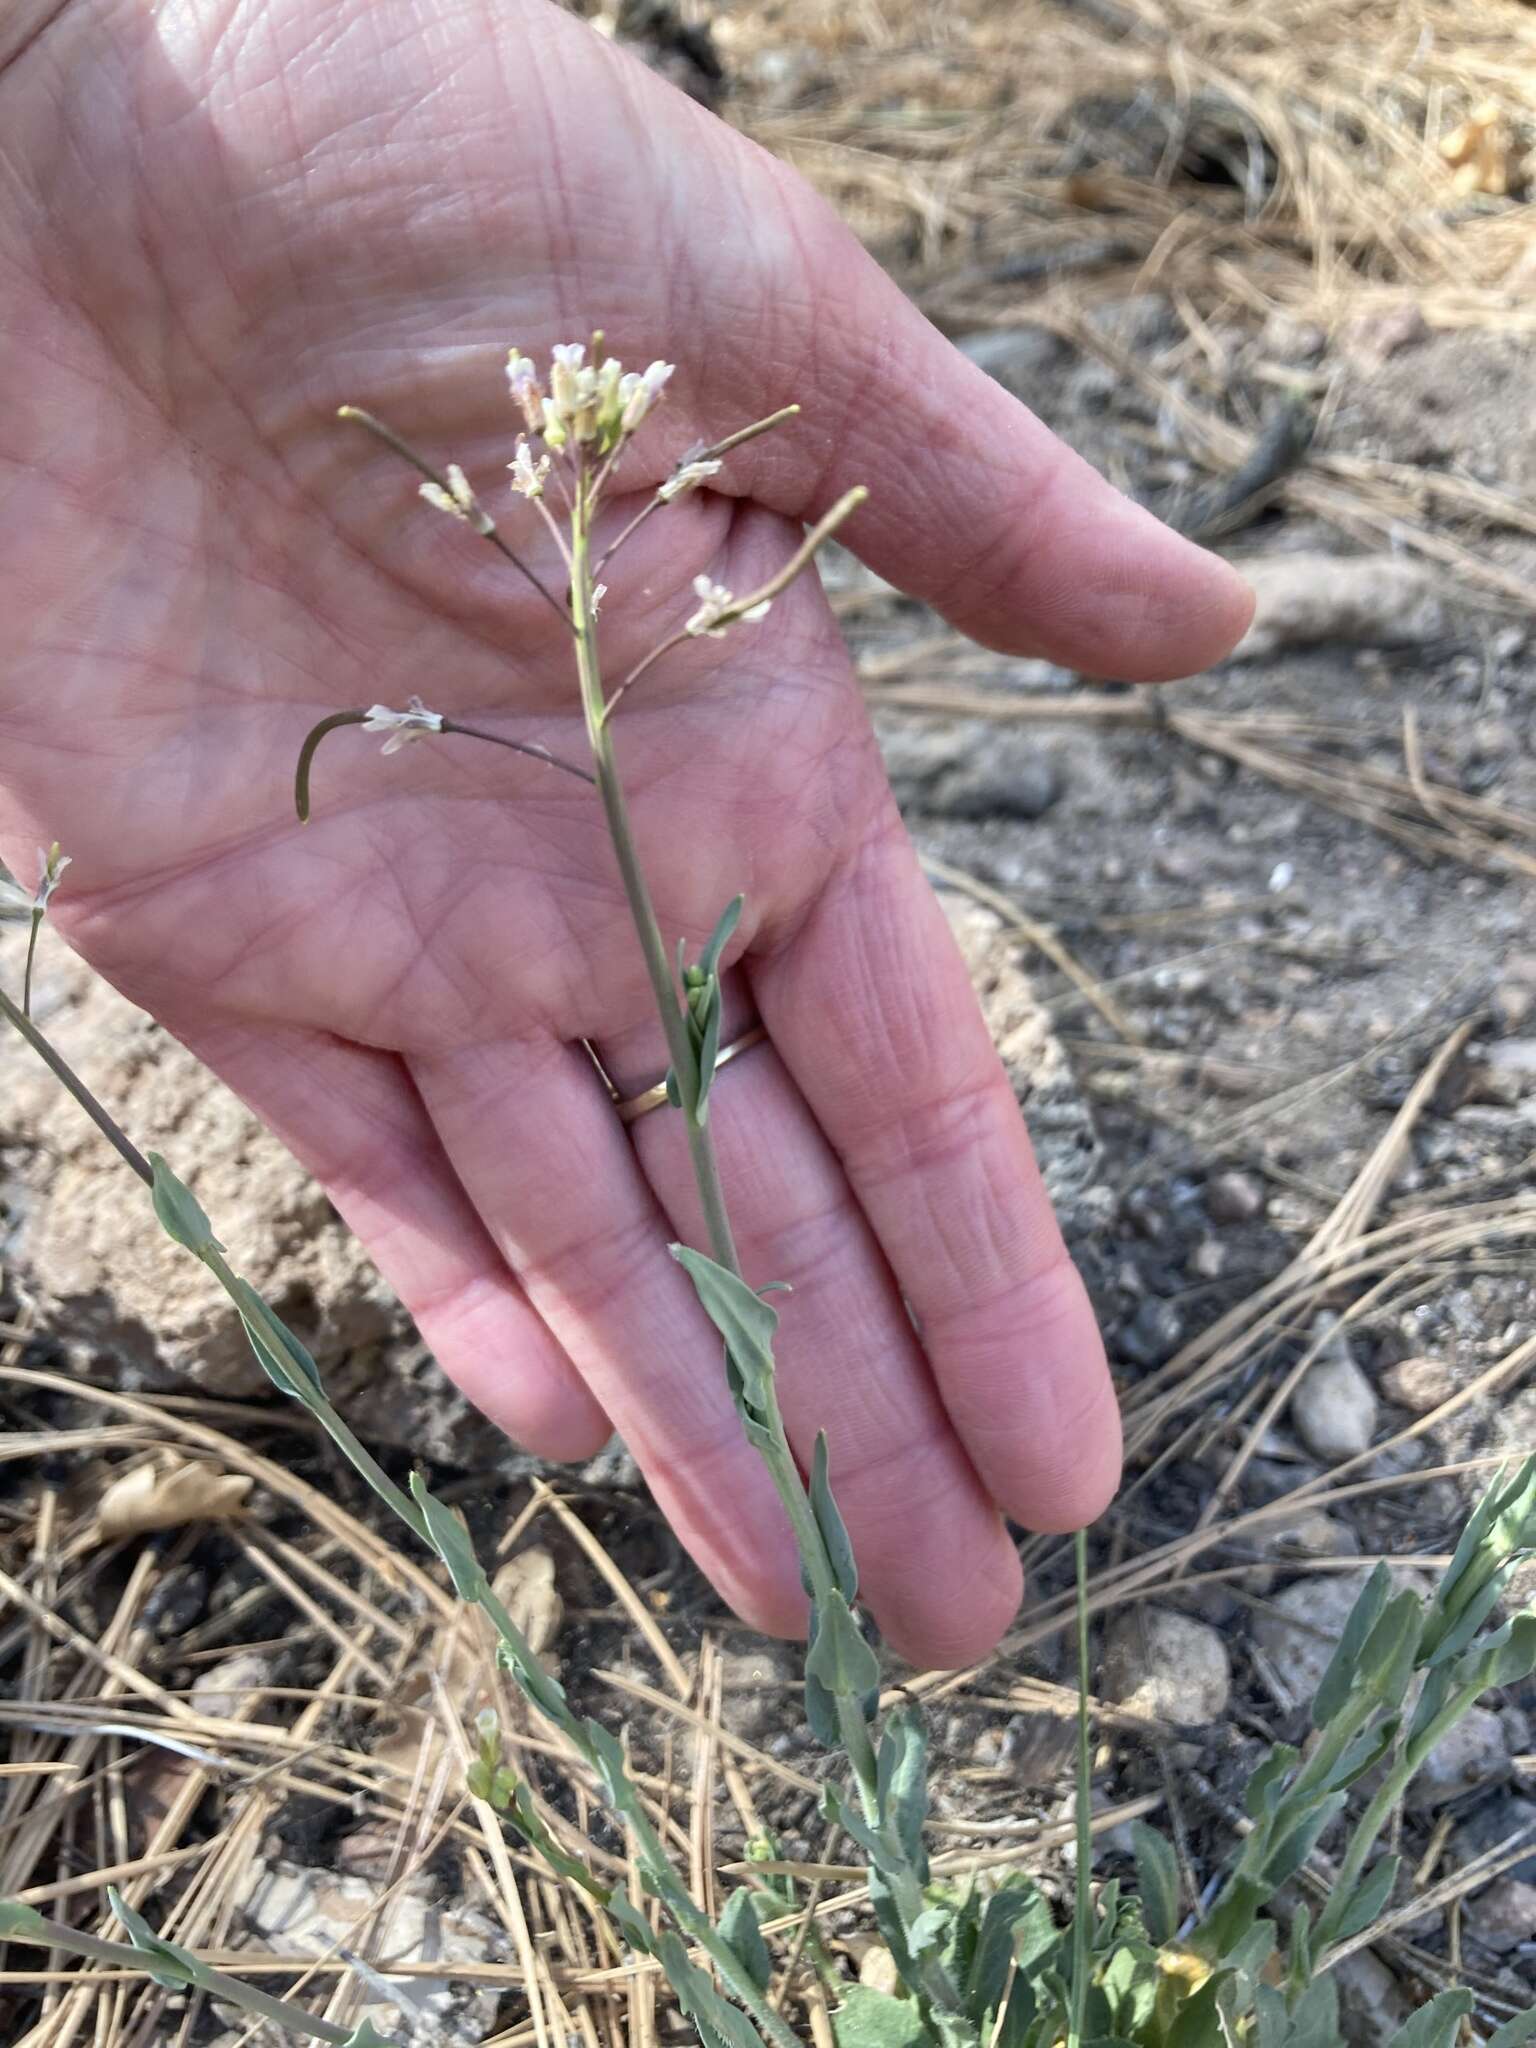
593, 404
719, 609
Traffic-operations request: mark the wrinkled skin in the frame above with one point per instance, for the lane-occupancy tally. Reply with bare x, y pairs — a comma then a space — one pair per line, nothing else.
217, 222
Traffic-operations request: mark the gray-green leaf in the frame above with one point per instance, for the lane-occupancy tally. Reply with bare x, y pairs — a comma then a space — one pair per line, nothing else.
742, 1934
834, 1534
1371, 1895
181, 1214
902, 1781
1516, 2032
743, 1318
873, 2019
839, 1657
1339, 1679
171, 1967
1157, 1876
1436, 2024
21, 1923
451, 1542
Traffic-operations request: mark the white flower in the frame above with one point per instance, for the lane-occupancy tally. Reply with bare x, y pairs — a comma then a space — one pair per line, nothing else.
459, 500
715, 602
526, 395
687, 478
50, 866
642, 393
402, 726
527, 475
717, 610
599, 592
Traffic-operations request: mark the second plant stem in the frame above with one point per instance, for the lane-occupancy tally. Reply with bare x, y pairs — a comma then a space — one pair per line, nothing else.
776, 1453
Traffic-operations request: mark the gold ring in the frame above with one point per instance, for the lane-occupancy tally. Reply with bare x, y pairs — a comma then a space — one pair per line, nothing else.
653, 1098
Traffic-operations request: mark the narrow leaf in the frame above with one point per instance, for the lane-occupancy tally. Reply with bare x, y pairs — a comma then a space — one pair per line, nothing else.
743, 1935
902, 1783
171, 1967
1264, 1787
1516, 2032
721, 936
834, 1533
1293, 1850
840, 1657
451, 1542
21, 1923
1339, 1679
181, 1214
1157, 1879
1435, 2024
743, 1318
1371, 1895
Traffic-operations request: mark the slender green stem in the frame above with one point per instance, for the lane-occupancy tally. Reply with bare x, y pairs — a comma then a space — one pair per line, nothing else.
776, 1452
233, 1990
116, 1137
26, 977
1082, 1908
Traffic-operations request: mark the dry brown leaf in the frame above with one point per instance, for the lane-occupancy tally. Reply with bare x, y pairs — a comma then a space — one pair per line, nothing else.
460, 1658
166, 1496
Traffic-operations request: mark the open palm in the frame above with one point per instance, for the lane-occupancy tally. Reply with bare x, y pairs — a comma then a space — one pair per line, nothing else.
217, 222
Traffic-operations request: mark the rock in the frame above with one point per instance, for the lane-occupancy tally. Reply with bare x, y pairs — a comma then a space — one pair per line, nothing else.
1504, 1917
1372, 2004
303, 1912
1168, 1666
754, 1685
1472, 1755
1024, 788
877, 1970
1493, 1824
1067, 1148
1153, 1333
222, 1691
1297, 1631
1358, 600
1312, 1533
1510, 1066
1418, 1384
1333, 1410
1234, 1197
110, 1287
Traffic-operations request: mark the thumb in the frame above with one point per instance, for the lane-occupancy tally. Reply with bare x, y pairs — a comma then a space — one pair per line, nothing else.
974, 505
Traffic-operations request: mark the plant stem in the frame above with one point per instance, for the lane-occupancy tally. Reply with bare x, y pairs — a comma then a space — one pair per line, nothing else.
116, 1137
1082, 1907
233, 1990
775, 1451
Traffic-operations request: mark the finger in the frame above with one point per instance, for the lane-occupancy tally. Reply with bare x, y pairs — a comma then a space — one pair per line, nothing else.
936, 1565
536, 1142
354, 1119
912, 1095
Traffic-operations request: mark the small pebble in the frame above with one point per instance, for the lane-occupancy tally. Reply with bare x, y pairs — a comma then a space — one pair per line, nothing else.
1234, 1197
1418, 1384
1333, 1411
1167, 1665
1472, 1755
1504, 1917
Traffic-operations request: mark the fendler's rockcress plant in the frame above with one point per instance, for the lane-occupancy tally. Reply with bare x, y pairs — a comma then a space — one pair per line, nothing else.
977, 1968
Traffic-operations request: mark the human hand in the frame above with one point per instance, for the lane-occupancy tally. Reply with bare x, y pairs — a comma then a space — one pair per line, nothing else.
213, 229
